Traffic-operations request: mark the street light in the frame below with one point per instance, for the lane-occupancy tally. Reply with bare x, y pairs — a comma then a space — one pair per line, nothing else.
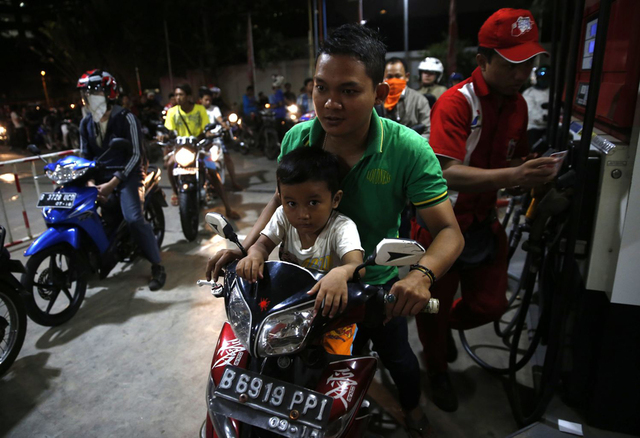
44, 85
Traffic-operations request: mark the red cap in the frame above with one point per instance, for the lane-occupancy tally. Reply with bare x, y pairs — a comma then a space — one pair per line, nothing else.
513, 33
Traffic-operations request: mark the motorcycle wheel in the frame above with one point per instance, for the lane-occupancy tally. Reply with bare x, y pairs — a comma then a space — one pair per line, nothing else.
271, 145
55, 281
155, 216
13, 326
189, 215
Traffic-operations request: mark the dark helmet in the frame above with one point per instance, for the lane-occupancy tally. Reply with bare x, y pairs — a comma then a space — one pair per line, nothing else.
542, 77
99, 80
455, 76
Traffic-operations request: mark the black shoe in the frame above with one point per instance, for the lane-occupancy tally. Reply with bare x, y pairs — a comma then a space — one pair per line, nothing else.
158, 277
442, 392
452, 350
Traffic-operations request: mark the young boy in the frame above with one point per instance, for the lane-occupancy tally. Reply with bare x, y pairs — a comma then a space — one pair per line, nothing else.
312, 233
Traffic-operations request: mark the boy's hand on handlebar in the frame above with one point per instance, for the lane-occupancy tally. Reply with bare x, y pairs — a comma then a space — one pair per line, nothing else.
219, 260
332, 289
412, 295
250, 268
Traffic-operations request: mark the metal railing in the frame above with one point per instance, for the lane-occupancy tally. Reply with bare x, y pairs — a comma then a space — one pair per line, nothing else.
19, 194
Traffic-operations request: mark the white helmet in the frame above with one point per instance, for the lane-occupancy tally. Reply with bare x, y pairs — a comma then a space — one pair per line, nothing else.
432, 64
277, 80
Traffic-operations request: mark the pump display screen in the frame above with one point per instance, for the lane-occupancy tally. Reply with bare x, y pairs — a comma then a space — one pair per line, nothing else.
589, 44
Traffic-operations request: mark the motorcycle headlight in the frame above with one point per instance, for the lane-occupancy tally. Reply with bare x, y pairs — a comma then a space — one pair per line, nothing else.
185, 157
292, 108
239, 316
63, 175
285, 332
3, 130
215, 152
233, 118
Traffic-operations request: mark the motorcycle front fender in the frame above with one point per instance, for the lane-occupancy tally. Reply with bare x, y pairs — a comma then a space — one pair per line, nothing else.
53, 236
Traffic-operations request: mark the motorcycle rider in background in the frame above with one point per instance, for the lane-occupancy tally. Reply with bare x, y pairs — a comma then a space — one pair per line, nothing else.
104, 122
430, 71
215, 117
537, 98
189, 119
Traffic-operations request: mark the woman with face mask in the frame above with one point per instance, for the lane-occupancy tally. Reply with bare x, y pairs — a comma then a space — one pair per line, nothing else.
105, 121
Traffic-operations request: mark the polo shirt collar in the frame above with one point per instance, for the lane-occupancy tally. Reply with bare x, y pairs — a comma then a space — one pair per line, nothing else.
482, 89
376, 141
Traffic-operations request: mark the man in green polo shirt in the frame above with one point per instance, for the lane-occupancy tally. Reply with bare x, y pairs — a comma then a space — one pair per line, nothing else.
382, 165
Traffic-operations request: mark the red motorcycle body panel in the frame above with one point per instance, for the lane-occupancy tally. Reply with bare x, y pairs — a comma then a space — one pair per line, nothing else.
229, 351
347, 381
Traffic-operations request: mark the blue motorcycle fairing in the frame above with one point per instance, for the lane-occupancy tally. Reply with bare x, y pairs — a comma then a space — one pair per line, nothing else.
210, 164
83, 215
53, 236
75, 162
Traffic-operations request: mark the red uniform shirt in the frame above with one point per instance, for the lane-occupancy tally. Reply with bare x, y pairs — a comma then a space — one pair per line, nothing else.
468, 125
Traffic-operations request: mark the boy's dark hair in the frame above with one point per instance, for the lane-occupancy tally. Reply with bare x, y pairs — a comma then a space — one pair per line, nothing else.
207, 92
306, 81
488, 53
361, 43
309, 164
395, 60
184, 87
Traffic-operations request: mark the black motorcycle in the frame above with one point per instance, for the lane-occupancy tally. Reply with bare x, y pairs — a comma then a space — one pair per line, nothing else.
13, 316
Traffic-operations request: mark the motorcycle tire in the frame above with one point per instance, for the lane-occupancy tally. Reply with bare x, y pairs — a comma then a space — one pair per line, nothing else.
49, 279
189, 215
13, 326
271, 145
155, 216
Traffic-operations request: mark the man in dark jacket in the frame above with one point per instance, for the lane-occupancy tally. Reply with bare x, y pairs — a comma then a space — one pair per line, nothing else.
105, 123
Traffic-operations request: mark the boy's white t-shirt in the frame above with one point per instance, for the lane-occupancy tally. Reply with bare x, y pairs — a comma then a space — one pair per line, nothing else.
339, 236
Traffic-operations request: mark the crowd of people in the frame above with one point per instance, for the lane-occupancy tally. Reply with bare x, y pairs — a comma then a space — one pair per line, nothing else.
375, 149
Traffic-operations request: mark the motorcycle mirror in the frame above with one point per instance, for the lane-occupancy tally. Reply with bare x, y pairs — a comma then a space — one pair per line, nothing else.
33, 149
223, 229
397, 252
2, 234
209, 126
120, 144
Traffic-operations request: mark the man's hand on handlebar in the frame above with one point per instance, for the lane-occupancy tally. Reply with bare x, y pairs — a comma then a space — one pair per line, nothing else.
412, 295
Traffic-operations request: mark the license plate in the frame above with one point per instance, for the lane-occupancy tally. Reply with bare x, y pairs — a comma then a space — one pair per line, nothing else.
292, 410
184, 171
56, 200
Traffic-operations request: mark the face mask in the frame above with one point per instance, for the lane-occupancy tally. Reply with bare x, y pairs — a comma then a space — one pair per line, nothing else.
396, 87
97, 106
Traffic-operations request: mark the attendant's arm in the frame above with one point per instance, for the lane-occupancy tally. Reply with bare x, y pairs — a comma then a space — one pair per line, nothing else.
474, 179
412, 292
223, 257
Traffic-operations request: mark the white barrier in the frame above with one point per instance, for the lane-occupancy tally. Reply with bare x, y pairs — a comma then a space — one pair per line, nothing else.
14, 163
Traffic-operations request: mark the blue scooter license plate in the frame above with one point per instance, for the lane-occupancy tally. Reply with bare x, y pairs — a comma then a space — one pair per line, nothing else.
56, 200
292, 410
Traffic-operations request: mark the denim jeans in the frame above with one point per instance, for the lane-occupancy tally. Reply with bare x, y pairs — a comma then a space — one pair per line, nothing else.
131, 202
391, 342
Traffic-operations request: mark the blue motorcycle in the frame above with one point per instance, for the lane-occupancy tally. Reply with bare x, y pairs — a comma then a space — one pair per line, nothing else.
82, 236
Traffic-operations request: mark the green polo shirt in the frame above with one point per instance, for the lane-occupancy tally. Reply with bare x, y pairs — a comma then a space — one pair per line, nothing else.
397, 165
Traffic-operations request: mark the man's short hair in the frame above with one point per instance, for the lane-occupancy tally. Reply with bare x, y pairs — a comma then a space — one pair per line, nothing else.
307, 163
249, 87
488, 53
361, 43
306, 81
184, 87
207, 93
396, 60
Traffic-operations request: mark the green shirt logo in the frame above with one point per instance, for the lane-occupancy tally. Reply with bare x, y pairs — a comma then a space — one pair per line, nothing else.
378, 176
